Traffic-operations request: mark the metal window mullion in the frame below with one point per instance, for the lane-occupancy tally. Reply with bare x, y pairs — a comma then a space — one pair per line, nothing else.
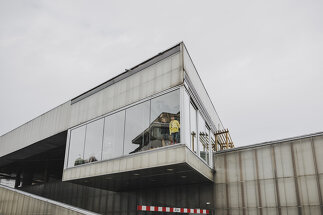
124, 131
102, 138
84, 141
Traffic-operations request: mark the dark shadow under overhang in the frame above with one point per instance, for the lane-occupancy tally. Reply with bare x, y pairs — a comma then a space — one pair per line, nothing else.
20, 156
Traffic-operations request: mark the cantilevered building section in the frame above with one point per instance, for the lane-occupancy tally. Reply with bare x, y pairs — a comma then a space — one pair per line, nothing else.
148, 141
153, 125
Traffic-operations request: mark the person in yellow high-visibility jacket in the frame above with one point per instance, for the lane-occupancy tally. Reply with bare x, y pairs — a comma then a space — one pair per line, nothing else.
174, 130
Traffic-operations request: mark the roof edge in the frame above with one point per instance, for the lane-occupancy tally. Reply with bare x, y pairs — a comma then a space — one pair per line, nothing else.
271, 142
160, 56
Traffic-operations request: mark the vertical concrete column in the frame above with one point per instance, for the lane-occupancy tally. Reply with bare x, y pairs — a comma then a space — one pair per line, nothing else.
17, 181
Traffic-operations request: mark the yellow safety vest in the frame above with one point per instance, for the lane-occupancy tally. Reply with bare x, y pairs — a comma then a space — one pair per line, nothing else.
173, 126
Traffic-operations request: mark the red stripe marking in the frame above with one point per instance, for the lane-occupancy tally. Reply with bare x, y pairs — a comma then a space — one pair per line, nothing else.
149, 208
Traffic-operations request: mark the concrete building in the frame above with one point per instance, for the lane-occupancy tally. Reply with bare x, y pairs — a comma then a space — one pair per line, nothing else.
150, 141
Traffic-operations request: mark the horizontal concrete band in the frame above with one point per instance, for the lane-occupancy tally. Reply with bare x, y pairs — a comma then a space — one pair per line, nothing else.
171, 155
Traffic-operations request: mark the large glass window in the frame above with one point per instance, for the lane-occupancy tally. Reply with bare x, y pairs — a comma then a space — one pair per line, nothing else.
148, 125
193, 129
165, 120
137, 128
93, 141
75, 156
203, 138
113, 136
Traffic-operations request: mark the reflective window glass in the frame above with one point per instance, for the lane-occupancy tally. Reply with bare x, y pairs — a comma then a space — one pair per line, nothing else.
137, 128
113, 136
165, 120
193, 129
93, 141
203, 138
75, 156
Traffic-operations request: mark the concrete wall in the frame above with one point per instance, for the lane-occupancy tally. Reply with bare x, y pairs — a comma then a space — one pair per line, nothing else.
160, 76
15, 202
284, 177
171, 155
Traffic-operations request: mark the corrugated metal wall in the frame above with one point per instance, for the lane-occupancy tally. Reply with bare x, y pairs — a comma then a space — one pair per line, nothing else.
278, 178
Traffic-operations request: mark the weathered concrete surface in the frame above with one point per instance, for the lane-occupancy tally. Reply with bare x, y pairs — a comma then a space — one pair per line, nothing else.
15, 202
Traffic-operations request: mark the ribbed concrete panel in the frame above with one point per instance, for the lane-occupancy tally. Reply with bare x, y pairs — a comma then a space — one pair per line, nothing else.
16, 202
46, 125
281, 177
156, 78
160, 76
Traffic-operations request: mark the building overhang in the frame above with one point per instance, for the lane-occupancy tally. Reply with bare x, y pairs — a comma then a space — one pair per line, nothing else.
160, 167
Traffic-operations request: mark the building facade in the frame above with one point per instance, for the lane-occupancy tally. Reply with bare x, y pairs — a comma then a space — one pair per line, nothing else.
145, 142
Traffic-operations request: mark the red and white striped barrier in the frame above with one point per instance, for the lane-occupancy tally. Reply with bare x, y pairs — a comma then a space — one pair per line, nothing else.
172, 210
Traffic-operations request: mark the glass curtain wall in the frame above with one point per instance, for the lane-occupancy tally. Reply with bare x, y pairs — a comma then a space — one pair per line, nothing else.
198, 131
193, 128
148, 125
203, 137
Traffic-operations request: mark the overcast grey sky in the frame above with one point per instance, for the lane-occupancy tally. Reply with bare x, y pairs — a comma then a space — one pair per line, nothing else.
260, 61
